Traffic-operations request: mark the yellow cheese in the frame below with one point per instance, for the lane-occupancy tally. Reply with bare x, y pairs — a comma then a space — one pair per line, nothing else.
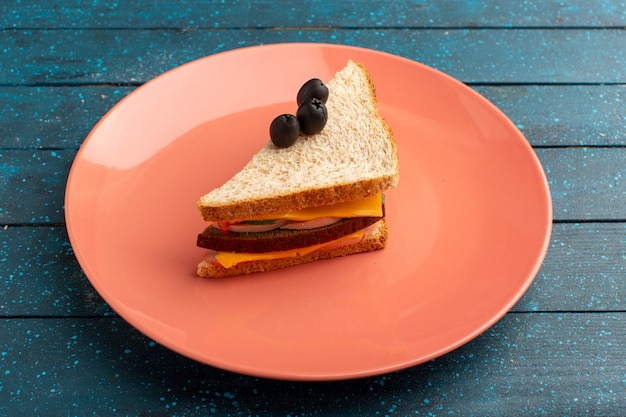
228, 259
367, 207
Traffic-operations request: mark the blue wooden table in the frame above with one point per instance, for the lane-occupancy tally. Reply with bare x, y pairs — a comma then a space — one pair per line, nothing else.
557, 69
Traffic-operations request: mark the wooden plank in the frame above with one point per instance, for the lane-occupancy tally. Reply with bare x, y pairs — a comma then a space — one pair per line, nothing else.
566, 115
312, 13
32, 185
39, 57
587, 184
584, 271
53, 117
557, 364
563, 115
41, 277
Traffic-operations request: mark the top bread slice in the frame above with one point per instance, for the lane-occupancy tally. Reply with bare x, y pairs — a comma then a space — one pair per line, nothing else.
354, 156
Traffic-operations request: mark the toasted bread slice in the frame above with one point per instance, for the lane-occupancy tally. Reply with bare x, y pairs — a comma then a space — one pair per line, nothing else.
355, 156
376, 240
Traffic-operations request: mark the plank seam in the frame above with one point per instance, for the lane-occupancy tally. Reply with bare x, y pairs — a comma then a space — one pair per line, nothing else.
468, 83
114, 316
609, 146
566, 312
8, 225
320, 28
538, 146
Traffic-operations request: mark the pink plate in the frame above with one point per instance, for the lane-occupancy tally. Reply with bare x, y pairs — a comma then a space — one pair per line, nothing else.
469, 223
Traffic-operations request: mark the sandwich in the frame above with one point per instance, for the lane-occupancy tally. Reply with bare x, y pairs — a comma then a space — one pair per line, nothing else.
319, 197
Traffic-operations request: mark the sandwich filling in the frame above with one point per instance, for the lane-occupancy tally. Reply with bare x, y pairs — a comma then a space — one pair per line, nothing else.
295, 233
230, 259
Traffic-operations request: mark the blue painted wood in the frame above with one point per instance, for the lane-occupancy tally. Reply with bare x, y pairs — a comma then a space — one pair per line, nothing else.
43, 57
584, 270
32, 185
40, 276
312, 13
586, 183
53, 117
563, 115
527, 364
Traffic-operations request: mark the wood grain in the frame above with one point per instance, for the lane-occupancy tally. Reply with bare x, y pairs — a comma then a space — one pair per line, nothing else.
53, 117
584, 270
72, 57
32, 185
41, 276
586, 183
564, 115
527, 364
313, 13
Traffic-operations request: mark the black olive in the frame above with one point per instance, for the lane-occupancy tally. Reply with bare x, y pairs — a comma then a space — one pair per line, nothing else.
312, 116
314, 88
284, 130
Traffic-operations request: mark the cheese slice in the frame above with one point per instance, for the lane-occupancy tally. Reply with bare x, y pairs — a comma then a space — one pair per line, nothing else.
367, 207
229, 259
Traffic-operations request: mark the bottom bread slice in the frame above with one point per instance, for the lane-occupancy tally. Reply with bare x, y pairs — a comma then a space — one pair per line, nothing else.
376, 240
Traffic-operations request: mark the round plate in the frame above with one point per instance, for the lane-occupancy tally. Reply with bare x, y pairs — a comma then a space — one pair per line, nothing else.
469, 223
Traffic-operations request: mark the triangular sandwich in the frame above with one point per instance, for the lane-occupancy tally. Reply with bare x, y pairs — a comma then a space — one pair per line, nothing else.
320, 198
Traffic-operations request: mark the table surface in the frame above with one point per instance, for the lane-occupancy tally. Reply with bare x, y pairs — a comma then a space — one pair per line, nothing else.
558, 70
